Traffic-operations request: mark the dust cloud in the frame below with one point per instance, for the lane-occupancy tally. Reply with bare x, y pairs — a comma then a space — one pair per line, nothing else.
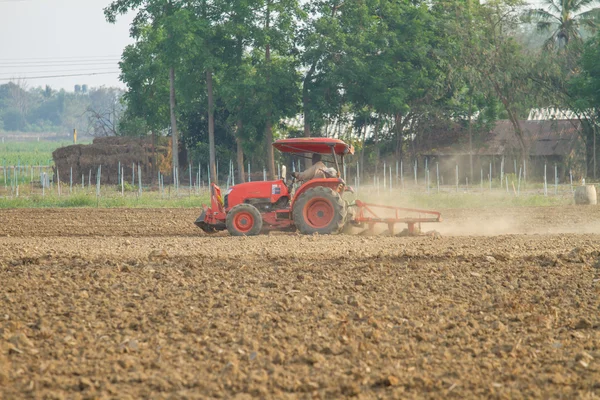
569, 219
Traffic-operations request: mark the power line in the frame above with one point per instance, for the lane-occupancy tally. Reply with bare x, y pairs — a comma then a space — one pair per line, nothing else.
63, 64
51, 59
60, 76
56, 72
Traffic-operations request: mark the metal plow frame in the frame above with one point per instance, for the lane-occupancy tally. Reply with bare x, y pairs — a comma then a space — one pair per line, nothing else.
366, 215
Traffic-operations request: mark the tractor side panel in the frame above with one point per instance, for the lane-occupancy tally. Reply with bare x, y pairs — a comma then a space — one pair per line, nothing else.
337, 185
272, 190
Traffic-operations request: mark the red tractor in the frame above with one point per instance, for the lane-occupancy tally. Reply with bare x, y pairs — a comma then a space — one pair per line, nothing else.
316, 206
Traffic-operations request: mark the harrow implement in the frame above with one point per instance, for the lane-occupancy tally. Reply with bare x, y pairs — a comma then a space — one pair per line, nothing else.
369, 215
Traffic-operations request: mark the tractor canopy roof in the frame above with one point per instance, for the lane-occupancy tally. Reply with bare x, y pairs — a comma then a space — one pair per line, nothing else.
313, 145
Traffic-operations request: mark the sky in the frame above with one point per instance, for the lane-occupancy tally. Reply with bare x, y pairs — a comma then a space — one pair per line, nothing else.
42, 38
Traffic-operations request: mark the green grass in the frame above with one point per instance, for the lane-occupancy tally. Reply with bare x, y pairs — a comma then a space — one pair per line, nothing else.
112, 199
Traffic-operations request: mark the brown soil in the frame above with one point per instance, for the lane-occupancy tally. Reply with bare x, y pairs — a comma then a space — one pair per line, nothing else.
140, 304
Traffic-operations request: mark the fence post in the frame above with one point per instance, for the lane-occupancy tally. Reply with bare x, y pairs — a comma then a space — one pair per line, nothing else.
555, 179
437, 174
481, 180
401, 174
416, 181
545, 182
98, 178
457, 178
519, 184
501, 172
571, 179
357, 175
140, 179
57, 179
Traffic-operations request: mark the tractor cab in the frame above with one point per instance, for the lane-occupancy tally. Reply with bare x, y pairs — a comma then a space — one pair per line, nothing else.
251, 208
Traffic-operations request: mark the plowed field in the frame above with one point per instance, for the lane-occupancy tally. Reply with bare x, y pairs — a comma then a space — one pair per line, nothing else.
140, 304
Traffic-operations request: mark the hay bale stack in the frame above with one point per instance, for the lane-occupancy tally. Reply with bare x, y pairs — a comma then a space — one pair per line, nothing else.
586, 195
109, 152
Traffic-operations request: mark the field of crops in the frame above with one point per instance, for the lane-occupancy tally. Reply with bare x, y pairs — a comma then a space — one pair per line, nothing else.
29, 153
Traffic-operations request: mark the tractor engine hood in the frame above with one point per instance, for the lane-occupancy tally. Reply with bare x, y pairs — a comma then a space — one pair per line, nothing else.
270, 191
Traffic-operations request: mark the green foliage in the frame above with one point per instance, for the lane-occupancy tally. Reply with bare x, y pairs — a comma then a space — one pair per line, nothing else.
40, 110
401, 74
565, 21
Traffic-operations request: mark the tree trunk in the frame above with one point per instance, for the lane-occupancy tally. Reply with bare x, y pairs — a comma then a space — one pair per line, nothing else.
306, 98
269, 144
305, 109
471, 135
398, 130
268, 127
154, 160
240, 152
594, 133
211, 128
175, 141
362, 150
376, 137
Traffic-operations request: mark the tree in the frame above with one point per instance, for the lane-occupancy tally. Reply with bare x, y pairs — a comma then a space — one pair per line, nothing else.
105, 111
160, 15
276, 26
565, 20
585, 92
146, 77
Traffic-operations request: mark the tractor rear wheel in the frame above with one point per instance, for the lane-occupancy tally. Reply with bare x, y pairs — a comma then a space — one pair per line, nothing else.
244, 220
319, 210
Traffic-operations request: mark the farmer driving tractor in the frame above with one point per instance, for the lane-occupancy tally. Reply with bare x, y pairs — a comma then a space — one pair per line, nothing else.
318, 170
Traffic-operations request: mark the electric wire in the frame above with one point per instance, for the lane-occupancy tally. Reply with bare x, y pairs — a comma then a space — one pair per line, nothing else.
59, 76
57, 71
71, 64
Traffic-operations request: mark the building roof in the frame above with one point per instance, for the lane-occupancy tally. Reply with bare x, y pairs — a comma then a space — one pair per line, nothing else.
546, 138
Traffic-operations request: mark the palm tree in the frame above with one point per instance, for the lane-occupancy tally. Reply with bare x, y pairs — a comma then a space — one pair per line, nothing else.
565, 18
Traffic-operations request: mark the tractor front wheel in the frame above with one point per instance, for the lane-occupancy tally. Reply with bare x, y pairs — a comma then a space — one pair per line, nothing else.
319, 210
244, 220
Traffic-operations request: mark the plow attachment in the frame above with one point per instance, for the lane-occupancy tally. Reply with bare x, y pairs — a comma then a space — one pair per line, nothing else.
368, 215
